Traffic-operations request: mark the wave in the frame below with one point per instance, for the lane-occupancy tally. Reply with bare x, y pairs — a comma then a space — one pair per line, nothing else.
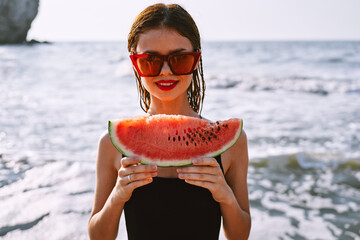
302, 189
305, 161
23, 226
313, 85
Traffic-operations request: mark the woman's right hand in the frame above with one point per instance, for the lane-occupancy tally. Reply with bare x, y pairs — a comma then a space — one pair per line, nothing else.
132, 174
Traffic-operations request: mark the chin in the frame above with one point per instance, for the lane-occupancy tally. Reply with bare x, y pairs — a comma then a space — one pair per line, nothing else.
168, 97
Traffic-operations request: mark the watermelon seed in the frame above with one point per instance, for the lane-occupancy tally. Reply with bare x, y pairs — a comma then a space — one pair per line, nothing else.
187, 143
184, 138
209, 138
218, 128
214, 136
203, 138
169, 138
174, 139
177, 132
217, 122
179, 138
195, 144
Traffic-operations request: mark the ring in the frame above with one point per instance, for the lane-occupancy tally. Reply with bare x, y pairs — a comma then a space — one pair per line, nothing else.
129, 178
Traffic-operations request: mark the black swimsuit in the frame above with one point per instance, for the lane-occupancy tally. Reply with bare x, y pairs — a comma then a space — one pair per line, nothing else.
171, 209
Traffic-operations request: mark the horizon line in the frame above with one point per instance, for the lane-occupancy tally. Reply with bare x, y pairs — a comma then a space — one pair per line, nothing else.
205, 40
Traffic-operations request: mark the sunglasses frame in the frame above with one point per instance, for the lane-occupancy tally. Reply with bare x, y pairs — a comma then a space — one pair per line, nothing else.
164, 58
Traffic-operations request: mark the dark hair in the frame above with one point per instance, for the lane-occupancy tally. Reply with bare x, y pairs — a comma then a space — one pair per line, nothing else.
175, 17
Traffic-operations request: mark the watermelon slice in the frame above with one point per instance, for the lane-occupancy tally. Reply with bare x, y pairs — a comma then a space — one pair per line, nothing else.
173, 140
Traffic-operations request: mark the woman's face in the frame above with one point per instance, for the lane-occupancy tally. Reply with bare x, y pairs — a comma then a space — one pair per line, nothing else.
164, 41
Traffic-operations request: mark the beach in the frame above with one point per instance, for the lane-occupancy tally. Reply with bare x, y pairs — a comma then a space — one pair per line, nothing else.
300, 102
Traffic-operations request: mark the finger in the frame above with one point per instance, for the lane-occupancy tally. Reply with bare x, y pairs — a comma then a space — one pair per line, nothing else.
137, 177
134, 169
205, 161
199, 177
128, 161
199, 169
139, 183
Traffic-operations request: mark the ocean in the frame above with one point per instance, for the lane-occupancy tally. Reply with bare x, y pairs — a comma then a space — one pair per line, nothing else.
300, 102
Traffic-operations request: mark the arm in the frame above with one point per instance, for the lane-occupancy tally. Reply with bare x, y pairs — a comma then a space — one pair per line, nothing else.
106, 212
235, 209
113, 188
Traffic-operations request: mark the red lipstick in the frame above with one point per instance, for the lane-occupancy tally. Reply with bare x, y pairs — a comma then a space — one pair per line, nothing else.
166, 85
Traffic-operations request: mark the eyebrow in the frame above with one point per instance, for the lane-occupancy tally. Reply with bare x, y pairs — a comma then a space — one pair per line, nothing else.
171, 52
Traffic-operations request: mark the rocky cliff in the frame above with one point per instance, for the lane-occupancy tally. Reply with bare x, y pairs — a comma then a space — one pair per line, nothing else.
16, 17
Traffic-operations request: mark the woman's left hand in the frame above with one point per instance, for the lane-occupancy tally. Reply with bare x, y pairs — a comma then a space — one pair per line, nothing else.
206, 173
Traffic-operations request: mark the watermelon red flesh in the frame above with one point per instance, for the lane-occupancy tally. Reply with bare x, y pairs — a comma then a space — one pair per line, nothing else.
173, 140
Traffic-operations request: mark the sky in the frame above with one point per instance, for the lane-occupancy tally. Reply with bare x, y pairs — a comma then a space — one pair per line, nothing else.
225, 20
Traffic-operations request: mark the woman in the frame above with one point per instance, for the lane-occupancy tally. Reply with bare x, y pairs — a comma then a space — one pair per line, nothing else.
172, 202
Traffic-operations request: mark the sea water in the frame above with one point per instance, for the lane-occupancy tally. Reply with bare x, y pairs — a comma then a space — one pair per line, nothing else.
300, 102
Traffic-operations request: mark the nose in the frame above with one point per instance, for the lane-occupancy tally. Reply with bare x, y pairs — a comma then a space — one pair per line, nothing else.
165, 70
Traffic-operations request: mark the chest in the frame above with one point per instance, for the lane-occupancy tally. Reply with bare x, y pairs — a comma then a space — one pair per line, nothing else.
168, 204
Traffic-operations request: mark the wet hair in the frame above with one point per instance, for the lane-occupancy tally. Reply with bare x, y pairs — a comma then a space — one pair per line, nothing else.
175, 17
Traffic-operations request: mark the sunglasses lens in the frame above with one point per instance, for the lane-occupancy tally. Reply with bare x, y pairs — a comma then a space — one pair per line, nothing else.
149, 65
182, 63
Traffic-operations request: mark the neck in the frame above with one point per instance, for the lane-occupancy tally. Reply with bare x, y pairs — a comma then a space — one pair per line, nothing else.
179, 106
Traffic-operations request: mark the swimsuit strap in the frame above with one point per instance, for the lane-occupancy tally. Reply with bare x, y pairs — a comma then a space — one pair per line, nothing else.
218, 159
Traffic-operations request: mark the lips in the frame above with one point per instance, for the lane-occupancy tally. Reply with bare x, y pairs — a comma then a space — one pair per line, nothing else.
166, 85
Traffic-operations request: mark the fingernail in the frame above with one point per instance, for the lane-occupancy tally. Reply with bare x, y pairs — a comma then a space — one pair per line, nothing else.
179, 170
154, 167
181, 175
195, 161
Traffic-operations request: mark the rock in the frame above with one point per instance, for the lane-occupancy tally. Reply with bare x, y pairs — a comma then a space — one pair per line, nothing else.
34, 41
16, 17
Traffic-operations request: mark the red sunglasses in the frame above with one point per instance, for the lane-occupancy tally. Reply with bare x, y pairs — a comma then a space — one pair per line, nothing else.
150, 65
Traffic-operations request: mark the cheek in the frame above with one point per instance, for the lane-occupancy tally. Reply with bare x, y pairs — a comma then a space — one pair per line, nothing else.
187, 81
146, 83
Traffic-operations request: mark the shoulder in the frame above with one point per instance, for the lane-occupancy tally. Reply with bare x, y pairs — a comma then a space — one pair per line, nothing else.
107, 153
105, 142
240, 145
236, 157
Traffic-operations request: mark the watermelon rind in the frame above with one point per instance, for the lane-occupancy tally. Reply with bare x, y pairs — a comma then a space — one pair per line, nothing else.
114, 138
166, 163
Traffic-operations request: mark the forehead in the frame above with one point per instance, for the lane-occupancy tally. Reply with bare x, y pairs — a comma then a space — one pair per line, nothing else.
162, 41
